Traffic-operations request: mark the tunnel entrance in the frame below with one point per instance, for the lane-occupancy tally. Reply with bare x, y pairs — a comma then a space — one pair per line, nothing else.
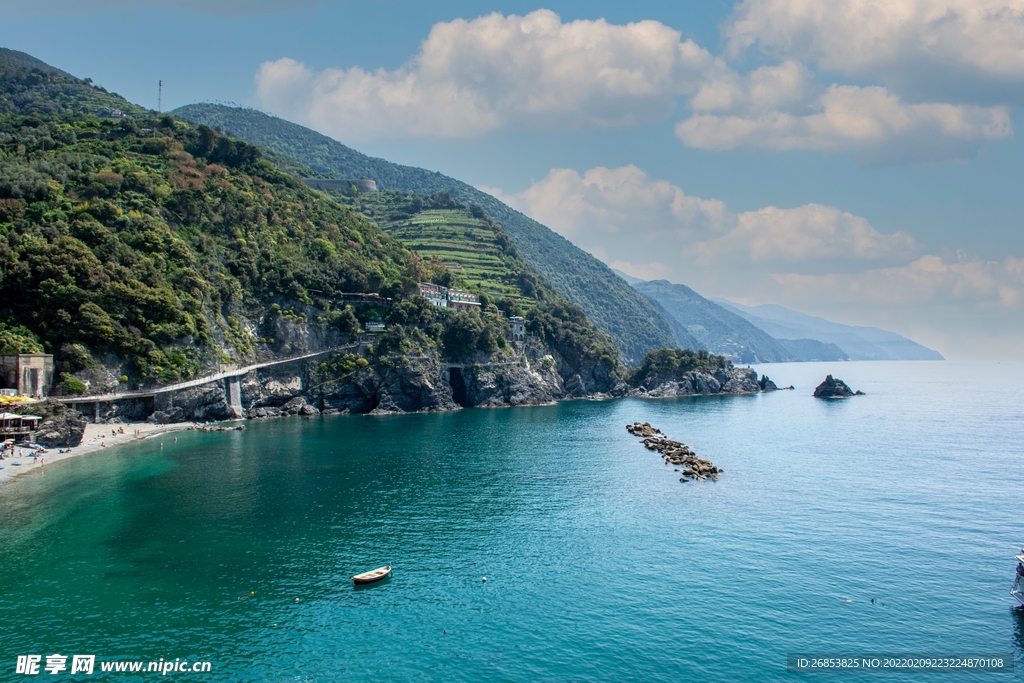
458, 384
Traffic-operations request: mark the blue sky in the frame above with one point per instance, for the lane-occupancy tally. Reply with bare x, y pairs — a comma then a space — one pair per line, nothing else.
852, 159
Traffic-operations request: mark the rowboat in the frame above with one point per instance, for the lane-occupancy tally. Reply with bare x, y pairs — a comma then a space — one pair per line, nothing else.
373, 575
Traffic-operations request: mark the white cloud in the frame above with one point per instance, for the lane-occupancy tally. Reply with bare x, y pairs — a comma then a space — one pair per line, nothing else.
813, 257
895, 39
871, 120
625, 212
497, 72
473, 77
927, 280
623, 201
765, 88
812, 232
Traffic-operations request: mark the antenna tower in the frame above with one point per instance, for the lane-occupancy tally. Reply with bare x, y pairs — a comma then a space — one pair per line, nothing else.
160, 98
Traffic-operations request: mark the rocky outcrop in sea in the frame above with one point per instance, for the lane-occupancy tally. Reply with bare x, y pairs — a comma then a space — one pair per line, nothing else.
675, 453
835, 388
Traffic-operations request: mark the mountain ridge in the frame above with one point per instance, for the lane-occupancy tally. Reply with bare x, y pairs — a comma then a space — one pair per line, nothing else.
716, 329
636, 325
859, 342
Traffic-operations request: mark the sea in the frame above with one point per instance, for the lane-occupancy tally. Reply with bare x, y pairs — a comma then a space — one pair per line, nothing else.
542, 543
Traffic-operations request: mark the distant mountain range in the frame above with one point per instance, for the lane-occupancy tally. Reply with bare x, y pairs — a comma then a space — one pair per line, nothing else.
712, 326
859, 343
635, 323
770, 333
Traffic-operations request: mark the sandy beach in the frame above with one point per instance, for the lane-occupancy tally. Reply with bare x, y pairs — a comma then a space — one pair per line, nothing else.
97, 438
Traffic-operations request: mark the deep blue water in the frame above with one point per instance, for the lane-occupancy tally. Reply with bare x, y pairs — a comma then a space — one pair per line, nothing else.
600, 564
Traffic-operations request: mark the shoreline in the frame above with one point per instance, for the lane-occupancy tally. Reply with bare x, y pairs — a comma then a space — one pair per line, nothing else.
97, 437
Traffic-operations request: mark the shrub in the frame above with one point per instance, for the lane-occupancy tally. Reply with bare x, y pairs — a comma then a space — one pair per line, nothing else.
18, 339
72, 384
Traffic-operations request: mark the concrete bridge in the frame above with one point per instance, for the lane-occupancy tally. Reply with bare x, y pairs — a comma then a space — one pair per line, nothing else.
232, 377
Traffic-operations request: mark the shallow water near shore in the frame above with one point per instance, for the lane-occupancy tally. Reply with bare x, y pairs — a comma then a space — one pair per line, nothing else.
600, 564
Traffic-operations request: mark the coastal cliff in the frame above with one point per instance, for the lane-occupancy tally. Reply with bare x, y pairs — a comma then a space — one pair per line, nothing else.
731, 380
352, 383
674, 372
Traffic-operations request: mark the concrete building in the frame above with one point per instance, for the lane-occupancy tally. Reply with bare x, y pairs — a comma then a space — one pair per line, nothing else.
518, 329
463, 301
443, 297
31, 374
436, 294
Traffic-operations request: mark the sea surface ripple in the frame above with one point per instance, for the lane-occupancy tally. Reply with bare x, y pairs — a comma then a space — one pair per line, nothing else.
238, 548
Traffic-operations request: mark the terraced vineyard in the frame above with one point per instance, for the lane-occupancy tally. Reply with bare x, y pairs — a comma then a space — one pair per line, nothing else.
477, 251
473, 249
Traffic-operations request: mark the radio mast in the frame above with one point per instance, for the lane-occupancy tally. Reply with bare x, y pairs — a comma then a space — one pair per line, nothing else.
160, 98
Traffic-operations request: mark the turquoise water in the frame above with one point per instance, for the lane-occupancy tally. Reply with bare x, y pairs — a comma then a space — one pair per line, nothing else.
600, 564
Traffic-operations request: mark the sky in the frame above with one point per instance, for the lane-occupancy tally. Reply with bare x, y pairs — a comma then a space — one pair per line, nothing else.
854, 159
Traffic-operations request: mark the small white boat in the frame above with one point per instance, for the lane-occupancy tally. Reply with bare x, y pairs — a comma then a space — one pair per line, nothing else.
373, 575
1017, 589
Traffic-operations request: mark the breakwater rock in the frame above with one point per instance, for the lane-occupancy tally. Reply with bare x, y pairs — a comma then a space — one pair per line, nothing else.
675, 453
834, 388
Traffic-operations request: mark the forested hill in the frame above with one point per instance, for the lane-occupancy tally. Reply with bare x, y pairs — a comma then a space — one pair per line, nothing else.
31, 87
636, 325
145, 248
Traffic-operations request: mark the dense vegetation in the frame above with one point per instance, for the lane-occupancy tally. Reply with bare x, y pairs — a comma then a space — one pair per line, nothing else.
18, 339
155, 247
670, 365
635, 324
146, 240
29, 86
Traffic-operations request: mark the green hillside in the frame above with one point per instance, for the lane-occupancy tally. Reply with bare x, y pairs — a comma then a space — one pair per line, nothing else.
33, 88
468, 246
636, 325
155, 248
475, 250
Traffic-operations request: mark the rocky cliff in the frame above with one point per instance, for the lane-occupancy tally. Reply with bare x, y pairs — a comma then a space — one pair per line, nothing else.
724, 380
518, 383
424, 384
